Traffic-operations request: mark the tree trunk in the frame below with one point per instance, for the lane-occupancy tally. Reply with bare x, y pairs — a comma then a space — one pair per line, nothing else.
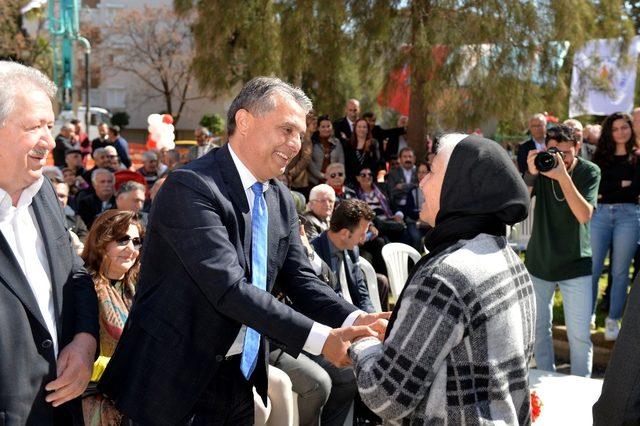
420, 59
417, 114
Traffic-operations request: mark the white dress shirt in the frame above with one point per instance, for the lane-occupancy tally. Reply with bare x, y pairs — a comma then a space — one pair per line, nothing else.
319, 332
20, 228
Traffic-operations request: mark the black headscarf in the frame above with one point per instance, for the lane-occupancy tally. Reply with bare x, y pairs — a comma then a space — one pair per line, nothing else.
482, 192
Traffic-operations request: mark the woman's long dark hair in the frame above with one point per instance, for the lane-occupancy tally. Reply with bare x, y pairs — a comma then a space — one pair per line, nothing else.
606, 147
108, 227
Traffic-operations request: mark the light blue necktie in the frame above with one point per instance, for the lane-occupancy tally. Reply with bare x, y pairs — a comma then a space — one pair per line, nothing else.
259, 225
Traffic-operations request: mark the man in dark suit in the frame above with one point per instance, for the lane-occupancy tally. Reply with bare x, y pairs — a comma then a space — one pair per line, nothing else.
538, 131
48, 307
221, 230
344, 126
401, 181
100, 198
338, 247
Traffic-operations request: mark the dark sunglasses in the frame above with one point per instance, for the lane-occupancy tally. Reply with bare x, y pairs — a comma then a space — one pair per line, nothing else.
365, 175
334, 175
124, 241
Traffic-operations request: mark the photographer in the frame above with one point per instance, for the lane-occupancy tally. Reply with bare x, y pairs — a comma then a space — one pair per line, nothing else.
559, 251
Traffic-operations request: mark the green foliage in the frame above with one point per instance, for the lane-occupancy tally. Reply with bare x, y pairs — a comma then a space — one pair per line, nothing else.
120, 119
471, 60
213, 122
18, 45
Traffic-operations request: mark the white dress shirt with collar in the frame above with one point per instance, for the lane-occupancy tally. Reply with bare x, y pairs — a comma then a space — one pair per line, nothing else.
319, 332
20, 229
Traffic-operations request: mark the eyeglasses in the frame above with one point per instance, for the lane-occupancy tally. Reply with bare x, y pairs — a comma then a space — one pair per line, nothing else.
365, 175
124, 241
334, 175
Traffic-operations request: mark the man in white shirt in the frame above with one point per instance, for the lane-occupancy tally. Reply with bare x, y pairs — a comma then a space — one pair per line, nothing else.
221, 230
48, 307
344, 127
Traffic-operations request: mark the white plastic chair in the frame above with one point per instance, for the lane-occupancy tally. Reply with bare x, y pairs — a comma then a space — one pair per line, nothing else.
521, 231
372, 283
396, 257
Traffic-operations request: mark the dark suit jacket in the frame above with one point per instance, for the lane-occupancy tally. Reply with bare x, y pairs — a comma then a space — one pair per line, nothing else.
342, 126
393, 136
194, 291
395, 177
523, 151
27, 358
358, 289
89, 206
62, 145
619, 402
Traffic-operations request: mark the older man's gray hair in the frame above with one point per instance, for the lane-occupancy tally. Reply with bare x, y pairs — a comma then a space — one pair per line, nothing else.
98, 172
69, 126
99, 151
130, 186
257, 97
16, 78
540, 117
149, 155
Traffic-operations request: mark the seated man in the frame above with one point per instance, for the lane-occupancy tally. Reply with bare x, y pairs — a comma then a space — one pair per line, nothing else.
99, 199
321, 201
131, 196
325, 393
338, 247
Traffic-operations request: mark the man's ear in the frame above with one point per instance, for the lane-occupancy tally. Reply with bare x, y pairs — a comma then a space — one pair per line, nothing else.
244, 119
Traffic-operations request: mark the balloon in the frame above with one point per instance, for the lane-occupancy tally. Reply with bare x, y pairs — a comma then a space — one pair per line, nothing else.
154, 119
166, 118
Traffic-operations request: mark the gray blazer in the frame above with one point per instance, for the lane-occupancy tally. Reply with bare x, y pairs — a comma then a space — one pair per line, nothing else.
317, 157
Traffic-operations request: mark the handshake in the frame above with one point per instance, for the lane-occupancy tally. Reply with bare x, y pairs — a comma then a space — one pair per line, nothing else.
366, 325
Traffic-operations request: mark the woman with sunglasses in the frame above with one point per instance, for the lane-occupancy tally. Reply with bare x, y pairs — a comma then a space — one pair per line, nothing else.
335, 179
391, 225
111, 256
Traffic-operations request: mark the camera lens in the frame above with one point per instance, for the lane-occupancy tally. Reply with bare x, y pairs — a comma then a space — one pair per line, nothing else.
545, 161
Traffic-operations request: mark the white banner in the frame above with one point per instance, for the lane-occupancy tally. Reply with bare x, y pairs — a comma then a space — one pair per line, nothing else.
602, 83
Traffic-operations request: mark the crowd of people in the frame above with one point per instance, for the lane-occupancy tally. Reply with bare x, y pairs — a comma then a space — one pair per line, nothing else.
281, 226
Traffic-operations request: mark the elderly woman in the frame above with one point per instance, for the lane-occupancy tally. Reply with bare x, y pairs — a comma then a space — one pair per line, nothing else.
111, 256
461, 336
335, 178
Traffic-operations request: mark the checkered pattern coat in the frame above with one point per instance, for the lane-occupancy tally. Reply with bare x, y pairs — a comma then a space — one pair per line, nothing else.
459, 351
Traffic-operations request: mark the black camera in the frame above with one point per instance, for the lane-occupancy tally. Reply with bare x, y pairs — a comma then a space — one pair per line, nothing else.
546, 160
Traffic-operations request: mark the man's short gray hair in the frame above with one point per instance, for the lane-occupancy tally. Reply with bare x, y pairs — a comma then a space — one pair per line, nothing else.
98, 172
149, 155
130, 186
257, 97
17, 78
323, 188
540, 117
99, 151
68, 126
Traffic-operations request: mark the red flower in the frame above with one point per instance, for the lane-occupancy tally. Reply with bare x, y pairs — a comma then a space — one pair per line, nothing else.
536, 406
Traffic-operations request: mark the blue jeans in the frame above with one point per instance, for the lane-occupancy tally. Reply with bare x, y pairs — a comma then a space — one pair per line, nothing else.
576, 303
615, 224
